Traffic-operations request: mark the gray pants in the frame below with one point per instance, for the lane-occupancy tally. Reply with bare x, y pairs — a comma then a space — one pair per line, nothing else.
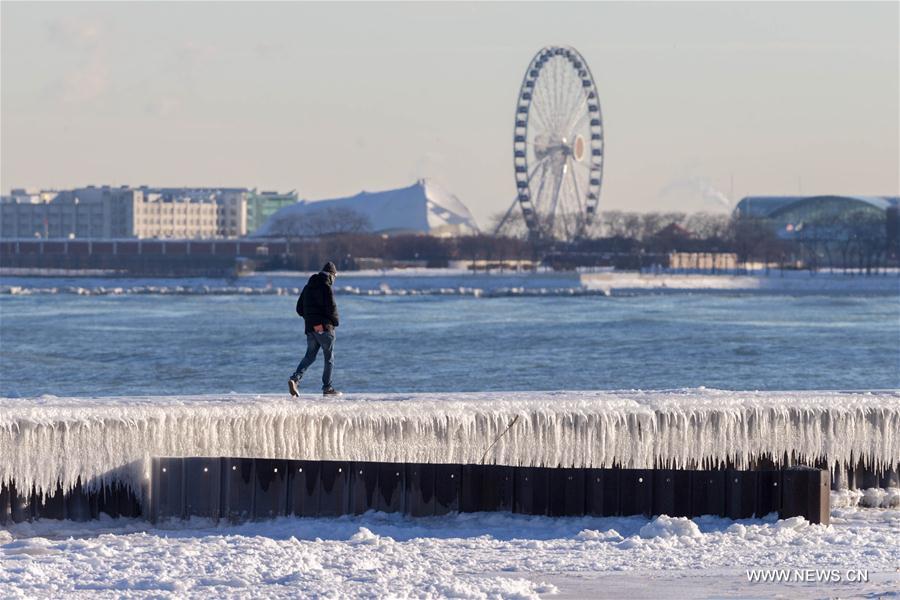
314, 341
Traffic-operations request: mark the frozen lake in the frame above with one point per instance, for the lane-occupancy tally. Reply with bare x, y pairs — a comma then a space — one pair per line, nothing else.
144, 343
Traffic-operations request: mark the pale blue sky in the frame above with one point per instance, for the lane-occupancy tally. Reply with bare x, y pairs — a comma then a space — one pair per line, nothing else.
333, 98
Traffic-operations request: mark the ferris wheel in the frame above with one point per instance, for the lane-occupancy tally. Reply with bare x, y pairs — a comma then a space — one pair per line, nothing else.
557, 145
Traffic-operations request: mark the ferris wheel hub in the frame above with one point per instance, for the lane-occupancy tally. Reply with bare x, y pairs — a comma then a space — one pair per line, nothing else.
578, 148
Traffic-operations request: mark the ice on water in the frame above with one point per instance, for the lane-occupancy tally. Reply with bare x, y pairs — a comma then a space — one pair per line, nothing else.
50, 439
452, 282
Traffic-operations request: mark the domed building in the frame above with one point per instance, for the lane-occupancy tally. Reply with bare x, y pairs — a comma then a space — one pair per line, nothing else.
787, 210
831, 223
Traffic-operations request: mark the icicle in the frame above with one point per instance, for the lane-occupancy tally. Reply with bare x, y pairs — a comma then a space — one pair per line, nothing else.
46, 440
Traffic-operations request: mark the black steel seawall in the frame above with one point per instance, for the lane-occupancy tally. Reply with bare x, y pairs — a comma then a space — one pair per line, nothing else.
237, 489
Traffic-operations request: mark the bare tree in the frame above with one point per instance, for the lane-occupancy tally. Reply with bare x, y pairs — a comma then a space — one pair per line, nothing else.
325, 221
616, 223
869, 229
652, 223
336, 220
708, 225
751, 238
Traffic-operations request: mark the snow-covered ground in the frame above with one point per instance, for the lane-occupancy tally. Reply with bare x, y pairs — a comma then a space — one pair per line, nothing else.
477, 555
459, 282
96, 438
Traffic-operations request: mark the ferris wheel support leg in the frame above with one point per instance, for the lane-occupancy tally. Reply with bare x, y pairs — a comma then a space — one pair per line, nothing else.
505, 218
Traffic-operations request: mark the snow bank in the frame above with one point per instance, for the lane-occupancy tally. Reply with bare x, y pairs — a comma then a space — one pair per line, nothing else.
475, 555
665, 527
47, 439
881, 498
871, 498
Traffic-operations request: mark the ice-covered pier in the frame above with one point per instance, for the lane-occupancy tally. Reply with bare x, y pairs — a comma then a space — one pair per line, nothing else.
49, 443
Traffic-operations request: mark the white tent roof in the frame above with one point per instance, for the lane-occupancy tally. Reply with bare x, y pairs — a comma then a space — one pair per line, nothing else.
420, 208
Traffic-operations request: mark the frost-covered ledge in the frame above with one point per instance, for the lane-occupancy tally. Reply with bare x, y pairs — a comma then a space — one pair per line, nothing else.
49, 439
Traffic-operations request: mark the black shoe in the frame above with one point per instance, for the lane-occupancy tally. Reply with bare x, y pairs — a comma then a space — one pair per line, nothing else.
330, 391
292, 385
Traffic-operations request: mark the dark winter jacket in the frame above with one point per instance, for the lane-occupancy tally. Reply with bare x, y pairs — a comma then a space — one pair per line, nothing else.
316, 303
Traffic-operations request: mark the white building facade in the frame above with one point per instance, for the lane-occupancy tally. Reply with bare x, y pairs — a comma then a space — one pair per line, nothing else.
108, 212
92, 212
232, 212
180, 218
231, 205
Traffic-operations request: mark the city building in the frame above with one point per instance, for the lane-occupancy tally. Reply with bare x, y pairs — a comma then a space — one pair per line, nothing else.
107, 212
175, 216
232, 212
91, 212
231, 205
262, 205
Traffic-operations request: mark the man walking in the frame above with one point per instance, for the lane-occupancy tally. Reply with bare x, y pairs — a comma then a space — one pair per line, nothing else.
317, 307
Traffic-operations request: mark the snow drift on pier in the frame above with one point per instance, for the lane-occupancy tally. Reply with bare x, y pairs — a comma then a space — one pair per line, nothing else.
51, 439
